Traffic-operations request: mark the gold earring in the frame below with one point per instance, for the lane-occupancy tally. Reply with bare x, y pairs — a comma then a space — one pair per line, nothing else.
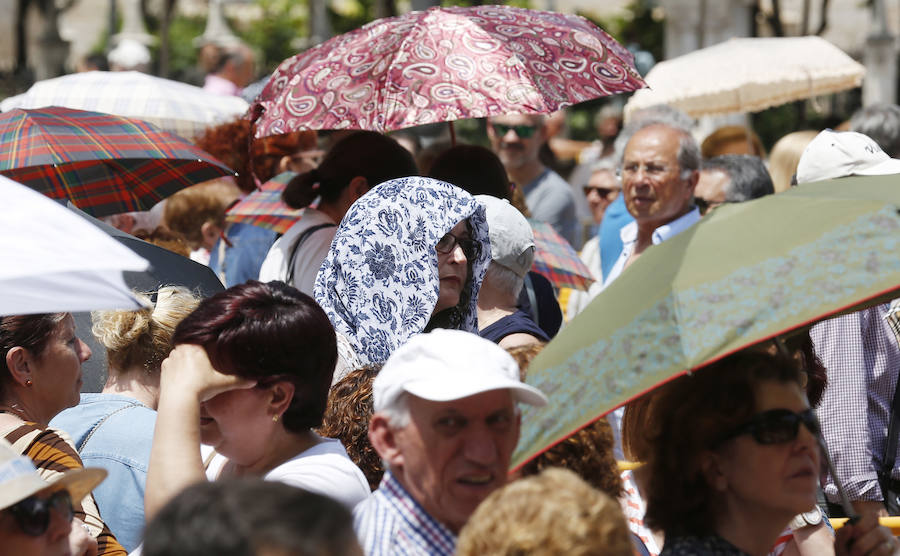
274, 418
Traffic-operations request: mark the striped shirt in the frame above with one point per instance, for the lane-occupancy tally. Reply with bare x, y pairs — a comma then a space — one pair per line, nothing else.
53, 454
391, 522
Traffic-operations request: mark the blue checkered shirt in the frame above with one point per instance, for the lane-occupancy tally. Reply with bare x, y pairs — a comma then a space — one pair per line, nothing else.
391, 522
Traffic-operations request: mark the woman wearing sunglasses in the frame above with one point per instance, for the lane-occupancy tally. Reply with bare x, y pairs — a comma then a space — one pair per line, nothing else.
249, 377
40, 375
409, 256
735, 459
36, 516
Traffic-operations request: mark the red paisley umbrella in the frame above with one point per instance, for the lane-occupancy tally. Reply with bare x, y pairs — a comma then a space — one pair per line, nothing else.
104, 164
444, 64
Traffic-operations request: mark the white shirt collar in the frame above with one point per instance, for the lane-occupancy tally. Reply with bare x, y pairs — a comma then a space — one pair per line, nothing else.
666, 231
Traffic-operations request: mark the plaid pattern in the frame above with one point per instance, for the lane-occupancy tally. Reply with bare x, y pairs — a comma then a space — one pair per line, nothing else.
390, 522
557, 260
104, 164
862, 358
173, 106
264, 207
53, 454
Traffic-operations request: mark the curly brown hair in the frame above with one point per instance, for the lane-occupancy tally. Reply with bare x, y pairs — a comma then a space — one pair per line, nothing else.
347, 419
695, 411
230, 143
588, 452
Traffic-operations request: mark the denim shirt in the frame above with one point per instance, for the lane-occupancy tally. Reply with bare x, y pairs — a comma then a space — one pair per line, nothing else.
121, 445
249, 246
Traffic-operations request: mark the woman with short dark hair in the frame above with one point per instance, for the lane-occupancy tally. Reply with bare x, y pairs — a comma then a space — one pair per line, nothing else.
732, 457
249, 377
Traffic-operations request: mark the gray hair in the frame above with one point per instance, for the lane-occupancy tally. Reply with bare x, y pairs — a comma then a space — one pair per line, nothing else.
397, 411
748, 177
881, 122
502, 278
665, 115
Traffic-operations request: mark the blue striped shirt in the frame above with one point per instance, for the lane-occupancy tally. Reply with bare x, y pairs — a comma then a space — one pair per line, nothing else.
391, 522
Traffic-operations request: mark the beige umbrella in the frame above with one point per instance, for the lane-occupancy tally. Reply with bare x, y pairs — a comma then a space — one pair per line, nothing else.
748, 75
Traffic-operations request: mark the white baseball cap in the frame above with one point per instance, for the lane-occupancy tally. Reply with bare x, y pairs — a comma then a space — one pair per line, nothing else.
836, 154
447, 365
512, 239
19, 479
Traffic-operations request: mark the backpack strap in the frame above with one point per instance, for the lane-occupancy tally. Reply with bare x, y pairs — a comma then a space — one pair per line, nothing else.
296, 247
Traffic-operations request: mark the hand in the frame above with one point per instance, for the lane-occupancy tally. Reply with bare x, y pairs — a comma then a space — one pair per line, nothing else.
876, 507
865, 538
81, 543
188, 368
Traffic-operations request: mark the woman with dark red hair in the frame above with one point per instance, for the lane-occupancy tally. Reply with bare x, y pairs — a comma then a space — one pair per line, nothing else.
249, 377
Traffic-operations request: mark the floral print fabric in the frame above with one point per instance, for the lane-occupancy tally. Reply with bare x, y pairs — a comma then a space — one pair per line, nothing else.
379, 282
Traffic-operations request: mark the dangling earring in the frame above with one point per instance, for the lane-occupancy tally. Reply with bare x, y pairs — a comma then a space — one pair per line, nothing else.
28, 382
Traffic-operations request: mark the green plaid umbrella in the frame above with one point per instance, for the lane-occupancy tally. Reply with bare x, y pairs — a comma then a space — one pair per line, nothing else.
104, 164
748, 272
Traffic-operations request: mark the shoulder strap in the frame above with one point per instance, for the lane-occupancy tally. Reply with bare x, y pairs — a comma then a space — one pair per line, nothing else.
296, 247
100, 422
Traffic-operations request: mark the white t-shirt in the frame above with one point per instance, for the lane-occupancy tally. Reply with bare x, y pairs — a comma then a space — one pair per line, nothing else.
309, 257
324, 469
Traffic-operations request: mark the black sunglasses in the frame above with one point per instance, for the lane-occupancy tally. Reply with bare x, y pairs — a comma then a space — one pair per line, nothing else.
602, 191
524, 131
471, 248
776, 426
33, 514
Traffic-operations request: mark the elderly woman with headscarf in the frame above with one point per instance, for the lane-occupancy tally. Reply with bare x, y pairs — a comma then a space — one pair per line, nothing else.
409, 256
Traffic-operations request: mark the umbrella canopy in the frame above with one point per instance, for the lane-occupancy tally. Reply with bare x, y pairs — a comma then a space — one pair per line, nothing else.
55, 261
746, 273
172, 106
104, 164
444, 64
265, 208
556, 260
748, 75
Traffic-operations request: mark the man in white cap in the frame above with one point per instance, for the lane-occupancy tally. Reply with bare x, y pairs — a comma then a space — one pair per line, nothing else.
858, 349
445, 423
512, 252
36, 516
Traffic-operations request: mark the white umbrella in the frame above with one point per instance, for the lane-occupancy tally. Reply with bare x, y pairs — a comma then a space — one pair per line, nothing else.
54, 260
173, 106
748, 75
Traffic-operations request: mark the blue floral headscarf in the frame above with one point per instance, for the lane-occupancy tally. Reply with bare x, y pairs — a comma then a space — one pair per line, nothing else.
379, 283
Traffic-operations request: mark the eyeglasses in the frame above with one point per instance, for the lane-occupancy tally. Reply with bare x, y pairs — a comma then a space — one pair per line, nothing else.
652, 169
33, 514
776, 426
705, 206
605, 192
471, 248
524, 131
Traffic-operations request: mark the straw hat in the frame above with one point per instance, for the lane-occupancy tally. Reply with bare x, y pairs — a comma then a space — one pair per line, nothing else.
19, 478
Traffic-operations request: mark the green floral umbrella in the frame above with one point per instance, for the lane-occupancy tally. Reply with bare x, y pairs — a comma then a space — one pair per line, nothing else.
746, 273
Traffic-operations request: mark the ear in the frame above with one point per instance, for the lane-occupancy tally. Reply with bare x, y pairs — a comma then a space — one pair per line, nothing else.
17, 361
284, 164
280, 396
358, 187
210, 233
692, 181
711, 465
384, 440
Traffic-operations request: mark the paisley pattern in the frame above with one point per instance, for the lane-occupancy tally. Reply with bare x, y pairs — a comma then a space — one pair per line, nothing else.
444, 64
379, 283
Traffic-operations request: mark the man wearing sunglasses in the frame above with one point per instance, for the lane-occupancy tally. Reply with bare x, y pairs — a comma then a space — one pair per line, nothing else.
517, 140
731, 178
36, 517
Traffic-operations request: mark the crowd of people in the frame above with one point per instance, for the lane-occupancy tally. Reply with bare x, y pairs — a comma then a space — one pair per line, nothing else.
356, 387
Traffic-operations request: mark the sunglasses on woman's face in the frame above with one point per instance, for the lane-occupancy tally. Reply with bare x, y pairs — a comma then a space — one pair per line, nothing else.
33, 514
776, 426
471, 248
